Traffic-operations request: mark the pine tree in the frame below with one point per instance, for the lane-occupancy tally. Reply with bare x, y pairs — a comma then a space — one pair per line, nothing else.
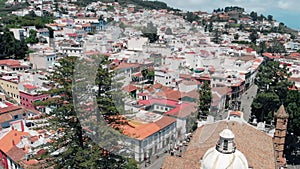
69, 142
205, 99
75, 142
104, 118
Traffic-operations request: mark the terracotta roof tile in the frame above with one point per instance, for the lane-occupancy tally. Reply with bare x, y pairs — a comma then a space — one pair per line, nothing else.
193, 94
11, 139
10, 62
126, 66
29, 86
5, 117
165, 121
157, 86
9, 109
254, 144
16, 153
130, 88
142, 131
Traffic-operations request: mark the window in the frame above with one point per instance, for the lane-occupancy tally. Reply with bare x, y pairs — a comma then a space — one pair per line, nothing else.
16, 116
144, 143
225, 145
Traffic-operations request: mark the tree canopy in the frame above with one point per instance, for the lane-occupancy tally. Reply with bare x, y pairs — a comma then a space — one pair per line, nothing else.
11, 47
273, 90
32, 37
77, 148
150, 31
205, 99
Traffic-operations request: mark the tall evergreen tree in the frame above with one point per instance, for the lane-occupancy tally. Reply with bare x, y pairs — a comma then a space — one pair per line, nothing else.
74, 146
205, 99
104, 116
70, 143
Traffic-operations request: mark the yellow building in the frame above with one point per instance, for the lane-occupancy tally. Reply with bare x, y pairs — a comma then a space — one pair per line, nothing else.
10, 87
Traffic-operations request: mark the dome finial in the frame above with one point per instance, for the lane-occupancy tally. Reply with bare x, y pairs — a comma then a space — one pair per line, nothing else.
226, 143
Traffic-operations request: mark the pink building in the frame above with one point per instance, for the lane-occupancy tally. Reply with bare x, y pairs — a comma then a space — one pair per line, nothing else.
29, 96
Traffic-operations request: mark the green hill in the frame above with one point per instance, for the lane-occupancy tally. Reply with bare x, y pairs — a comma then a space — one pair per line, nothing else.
138, 3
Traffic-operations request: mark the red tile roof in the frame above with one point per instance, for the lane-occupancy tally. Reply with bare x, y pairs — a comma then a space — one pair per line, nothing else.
123, 65
31, 162
294, 79
164, 121
192, 94
11, 139
271, 55
16, 153
141, 131
294, 55
9, 109
256, 145
130, 88
5, 117
10, 62
157, 86
29, 86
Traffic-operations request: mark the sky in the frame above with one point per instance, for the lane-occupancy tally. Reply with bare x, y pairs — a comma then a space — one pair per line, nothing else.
286, 11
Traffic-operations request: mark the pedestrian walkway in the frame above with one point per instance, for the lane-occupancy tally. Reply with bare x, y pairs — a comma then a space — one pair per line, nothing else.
246, 101
156, 162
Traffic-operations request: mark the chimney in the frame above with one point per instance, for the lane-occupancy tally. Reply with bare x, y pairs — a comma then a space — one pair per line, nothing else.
22, 126
13, 142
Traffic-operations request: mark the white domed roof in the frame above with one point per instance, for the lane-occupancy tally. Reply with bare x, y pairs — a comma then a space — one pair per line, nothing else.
227, 134
224, 155
213, 159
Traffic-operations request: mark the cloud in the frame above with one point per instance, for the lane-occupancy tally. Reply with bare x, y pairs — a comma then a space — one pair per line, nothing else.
290, 5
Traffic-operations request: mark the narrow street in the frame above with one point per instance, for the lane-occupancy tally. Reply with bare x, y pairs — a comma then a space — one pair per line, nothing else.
156, 163
246, 101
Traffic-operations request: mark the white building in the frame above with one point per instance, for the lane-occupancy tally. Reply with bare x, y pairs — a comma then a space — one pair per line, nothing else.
42, 59
136, 44
150, 134
166, 77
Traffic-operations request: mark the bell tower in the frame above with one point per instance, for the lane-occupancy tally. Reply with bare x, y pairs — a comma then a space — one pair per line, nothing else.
279, 136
